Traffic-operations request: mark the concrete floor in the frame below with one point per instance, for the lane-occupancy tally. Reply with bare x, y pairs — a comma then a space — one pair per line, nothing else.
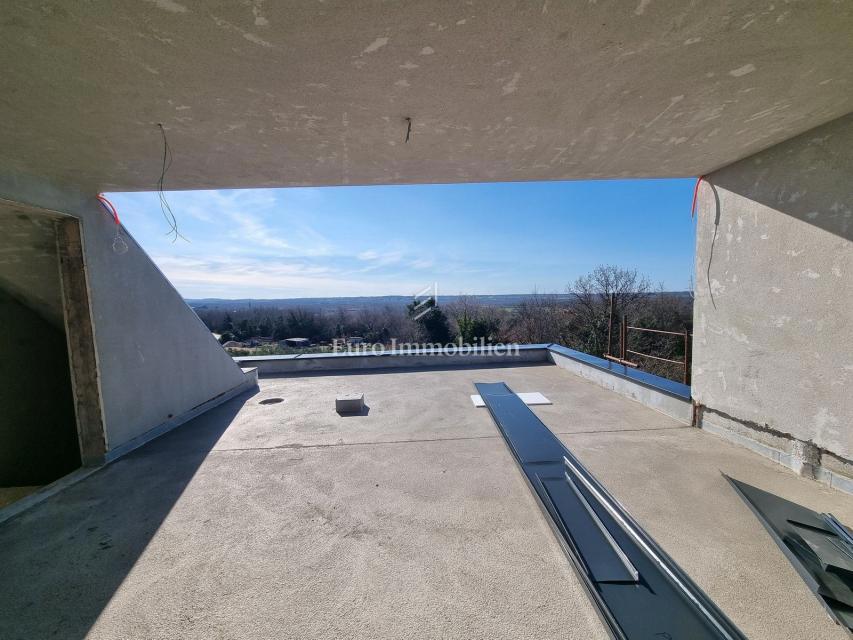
409, 521
8, 495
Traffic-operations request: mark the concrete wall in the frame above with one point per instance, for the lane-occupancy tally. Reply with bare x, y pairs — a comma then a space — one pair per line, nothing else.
677, 407
773, 342
29, 269
333, 362
156, 359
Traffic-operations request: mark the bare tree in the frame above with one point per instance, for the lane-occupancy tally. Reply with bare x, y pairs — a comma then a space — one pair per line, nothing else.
538, 319
590, 310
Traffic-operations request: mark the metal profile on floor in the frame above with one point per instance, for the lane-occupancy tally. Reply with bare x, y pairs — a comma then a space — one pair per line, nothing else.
818, 546
639, 591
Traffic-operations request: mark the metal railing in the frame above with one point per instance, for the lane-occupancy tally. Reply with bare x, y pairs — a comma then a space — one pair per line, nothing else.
624, 351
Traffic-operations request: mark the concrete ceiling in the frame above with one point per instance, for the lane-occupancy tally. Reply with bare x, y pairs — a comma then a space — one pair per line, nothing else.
256, 93
29, 264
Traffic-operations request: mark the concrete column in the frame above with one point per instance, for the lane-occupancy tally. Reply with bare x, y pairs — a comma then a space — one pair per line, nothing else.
773, 345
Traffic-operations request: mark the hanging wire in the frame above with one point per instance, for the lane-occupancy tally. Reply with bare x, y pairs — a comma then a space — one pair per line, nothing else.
109, 207
168, 214
713, 237
695, 196
119, 245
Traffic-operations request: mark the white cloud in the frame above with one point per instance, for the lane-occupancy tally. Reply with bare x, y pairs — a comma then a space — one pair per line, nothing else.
249, 229
379, 259
270, 243
247, 277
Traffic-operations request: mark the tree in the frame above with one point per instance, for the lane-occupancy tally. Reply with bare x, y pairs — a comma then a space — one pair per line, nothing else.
243, 331
539, 319
302, 323
432, 325
279, 329
590, 311
474, 321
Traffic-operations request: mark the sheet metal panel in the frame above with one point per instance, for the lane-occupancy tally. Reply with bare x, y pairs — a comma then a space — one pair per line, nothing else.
640, 592
812, 543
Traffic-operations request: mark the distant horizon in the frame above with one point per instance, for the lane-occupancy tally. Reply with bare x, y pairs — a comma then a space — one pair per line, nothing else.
368, 241
510, 299
394, 295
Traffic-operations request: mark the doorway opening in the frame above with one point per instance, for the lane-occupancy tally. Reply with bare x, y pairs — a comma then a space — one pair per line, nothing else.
39, 432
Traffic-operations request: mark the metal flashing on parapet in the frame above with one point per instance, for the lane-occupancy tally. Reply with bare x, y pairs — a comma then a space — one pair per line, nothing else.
637, 588
818, 546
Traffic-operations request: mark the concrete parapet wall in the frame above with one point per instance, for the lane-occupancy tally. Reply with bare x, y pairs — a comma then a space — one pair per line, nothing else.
249, 382
332, 362
653, 392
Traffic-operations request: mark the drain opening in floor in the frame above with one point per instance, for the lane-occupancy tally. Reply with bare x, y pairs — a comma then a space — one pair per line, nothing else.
271, 401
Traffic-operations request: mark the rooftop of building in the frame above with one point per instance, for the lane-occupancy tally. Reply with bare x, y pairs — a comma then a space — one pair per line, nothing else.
269, 519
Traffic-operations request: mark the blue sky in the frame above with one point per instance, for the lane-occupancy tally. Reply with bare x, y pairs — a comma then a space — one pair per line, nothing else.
395, 240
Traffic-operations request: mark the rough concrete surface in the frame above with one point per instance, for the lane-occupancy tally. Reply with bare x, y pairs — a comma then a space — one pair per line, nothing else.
774, 290
424, 404
412, 521
290, 93
8, 495
29, 265
671, 482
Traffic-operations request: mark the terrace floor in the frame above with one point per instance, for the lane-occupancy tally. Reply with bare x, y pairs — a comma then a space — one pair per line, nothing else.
409, 521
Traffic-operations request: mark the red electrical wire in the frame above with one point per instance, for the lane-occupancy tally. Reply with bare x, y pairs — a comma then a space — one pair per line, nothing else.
695, 196
106, 204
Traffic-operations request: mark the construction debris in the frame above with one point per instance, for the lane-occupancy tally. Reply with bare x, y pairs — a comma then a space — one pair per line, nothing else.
819, 547
349, 403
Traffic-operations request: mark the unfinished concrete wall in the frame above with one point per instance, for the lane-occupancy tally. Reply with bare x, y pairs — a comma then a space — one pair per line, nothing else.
156, 359
29, 268
773, 343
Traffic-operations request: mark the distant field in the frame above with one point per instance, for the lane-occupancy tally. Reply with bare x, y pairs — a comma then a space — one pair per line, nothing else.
507, 301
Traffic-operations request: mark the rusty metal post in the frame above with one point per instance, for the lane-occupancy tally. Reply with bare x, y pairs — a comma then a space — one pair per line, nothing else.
610, 329
624, 337
687, 363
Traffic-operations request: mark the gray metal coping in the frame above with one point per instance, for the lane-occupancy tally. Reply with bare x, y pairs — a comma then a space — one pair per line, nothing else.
668, 387
473, 351
664, 385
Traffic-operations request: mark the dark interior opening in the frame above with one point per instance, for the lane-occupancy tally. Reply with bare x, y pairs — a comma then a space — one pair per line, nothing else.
38, 427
